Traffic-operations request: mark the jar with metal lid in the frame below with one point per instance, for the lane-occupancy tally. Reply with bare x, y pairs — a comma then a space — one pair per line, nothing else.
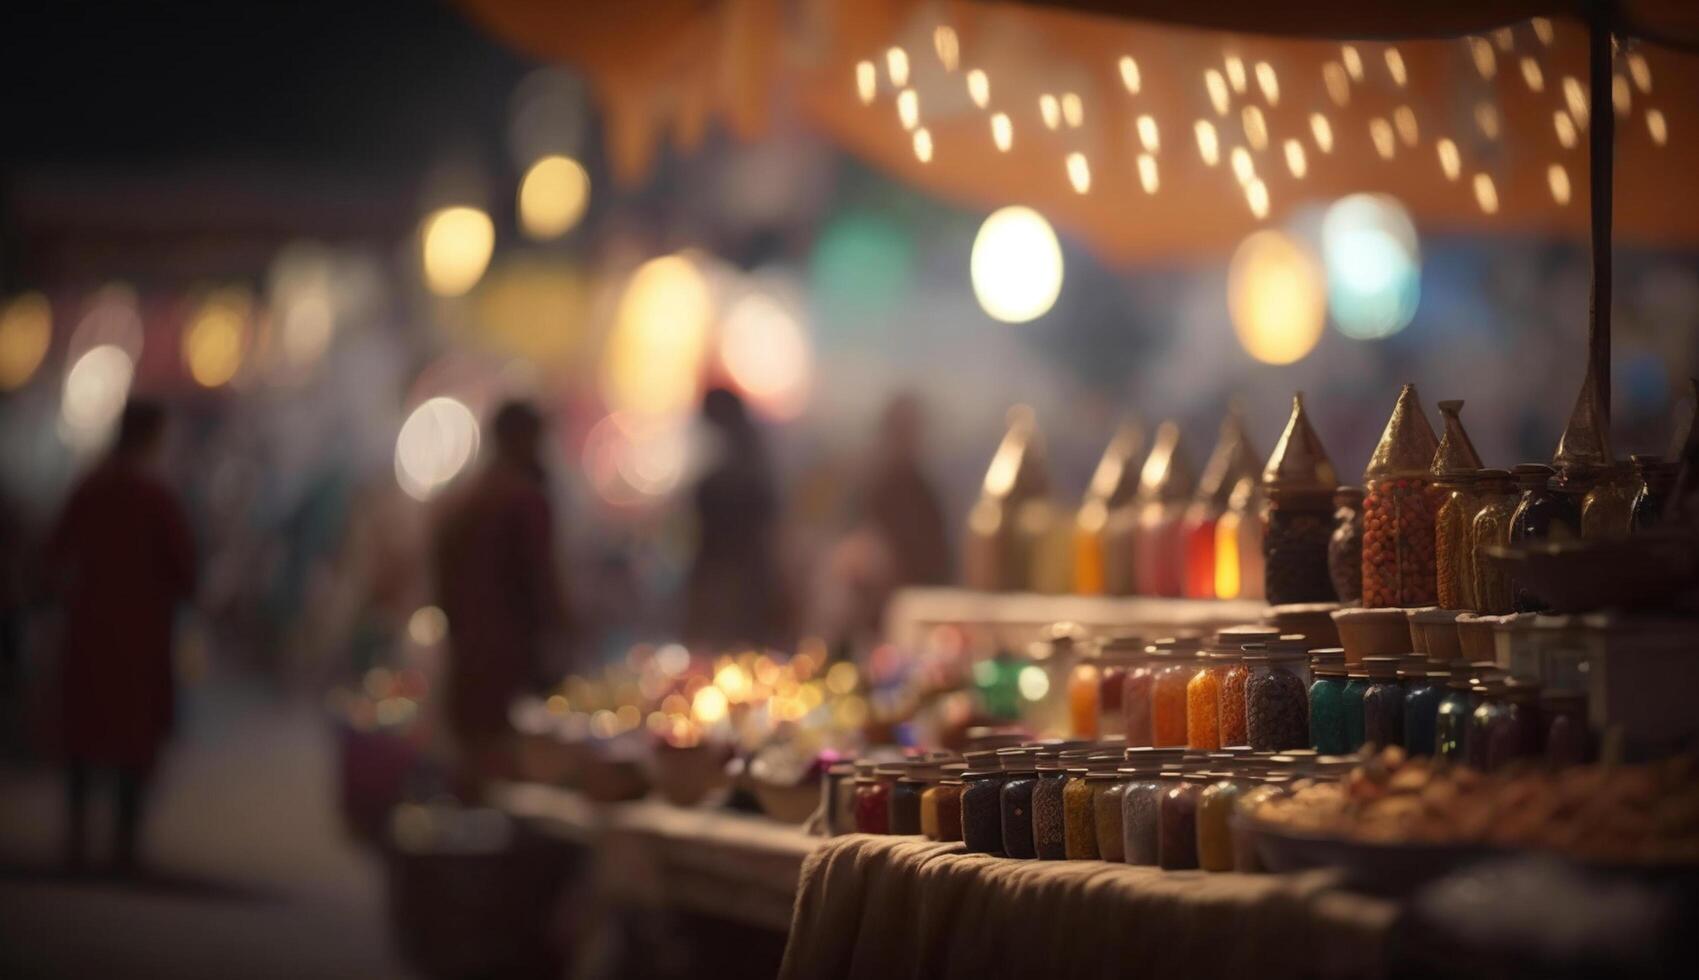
1345, 545
1453, 470
941, 804
1165, 485
906, 792
1299, 482
1489, 715
982, 803
1079, 818
1491, 526
1135, 699
1399, 509
1276, 703
1383, 703
1203, 700
1327, 704
1351, 704
1568, 741
1540, 514
1083, 683
1424, 687
1020, 775
1049, 840
838, 789
1140, 806
1215, 806
1177, 823
1232, 460
1118, 654
1451, 718
1609, 507
1657, 482
873, 798
1108, 790
1172, 670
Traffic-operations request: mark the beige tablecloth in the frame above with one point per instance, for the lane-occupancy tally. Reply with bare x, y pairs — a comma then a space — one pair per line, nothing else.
892, 907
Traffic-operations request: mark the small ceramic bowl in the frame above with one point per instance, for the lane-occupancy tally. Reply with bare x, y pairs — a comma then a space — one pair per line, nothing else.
1372, 633
1435, 633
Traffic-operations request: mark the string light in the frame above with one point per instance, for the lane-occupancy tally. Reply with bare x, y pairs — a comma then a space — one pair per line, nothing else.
1147, 173
1641, 72
1381, 132
1236, 73
1051, 110
1395, 67
1209, 147
1079, 173
1129, 74
1558, 179
1531, 74
1504, 38
1243, 167
1217, 86
1256, 195
1268, 82
1353, 62
1621, 97
923, 145
1404, 120
1149, 138
1322, 130
1486, 195
1486, 119
1338, 87
896, 65
1657, 127
1486, 63
979, 88
1543, 30
866, 82
908, 108
1575, 95
1565, 127
1256, 128
948, 46
1002, 132
1295, 160
1073, 110
1449, 160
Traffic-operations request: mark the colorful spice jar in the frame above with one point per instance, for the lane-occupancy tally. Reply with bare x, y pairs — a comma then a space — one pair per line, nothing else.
1299, 484
873, 798
1540, 513
1327, 705
1118, 654
1102, 553
1140, 806
1504, 726
838, 789
1453, 470
1203, 700
1232, 460
1276, 702
941, 805
1351, 701
1424, 687
1108, 791
1020, 776
1083, 693
1049, 839
1383, 703
1135, 699
1451, 718
1172, 671
1609, 508
1491, 526
1216, 804
1079, 818
1177, 823
1345, 545
1165, 486
1657, 482
1238, 543
905, 796
1399, 509
1568, 741
982, 803
1235, 681
1013, 518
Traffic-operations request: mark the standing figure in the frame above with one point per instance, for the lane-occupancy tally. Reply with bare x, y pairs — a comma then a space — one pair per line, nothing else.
901, 502
123, 559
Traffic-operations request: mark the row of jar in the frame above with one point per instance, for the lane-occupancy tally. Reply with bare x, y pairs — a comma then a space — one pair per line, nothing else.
1066, 801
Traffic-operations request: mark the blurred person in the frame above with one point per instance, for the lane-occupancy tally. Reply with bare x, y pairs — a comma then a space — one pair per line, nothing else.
901, 502
122, 557
733, 590
498, 583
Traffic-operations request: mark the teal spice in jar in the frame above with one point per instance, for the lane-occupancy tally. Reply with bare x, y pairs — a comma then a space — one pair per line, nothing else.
1351, 699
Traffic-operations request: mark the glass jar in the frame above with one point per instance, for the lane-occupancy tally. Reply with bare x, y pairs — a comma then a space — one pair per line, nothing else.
1453, 557
1135, 701
1276, 703
1019, 778
1568, 741
839, 792
1541, 513
941, 804
1203, 701
1177, 823
1608, 509
1424, 686
1383, 703
1296, 538
1113, 486
1048, 840
1083, 689
982, 804
1657, 482
1245, 858
1108, 793
1238, 544
1399, 508
1504, 726
872, 799
905, 803
1079, 819
1351, 700
1120, 653
1215, 806
1345, 545
1139, 812
1491, 526
1452, 719
1230, 713
1168, 697
1165, 486
1327, 707
1197, 530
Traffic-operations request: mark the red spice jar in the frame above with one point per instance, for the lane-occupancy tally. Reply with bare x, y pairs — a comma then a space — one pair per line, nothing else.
1165, 483
1232, 460
1399, 507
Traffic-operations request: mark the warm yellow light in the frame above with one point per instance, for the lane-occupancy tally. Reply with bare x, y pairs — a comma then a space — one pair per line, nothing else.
947, 45
1558, 179
96, 388
1657, 127
1380, 131
1256, 127
1641, 71
1295, 159
216, 338
1621, 97
1148, 178
979, 87
1268, 82
1033, 682
427, 626
908, 108
660, 334
896, 65
1256, 195
1486, 194
1532, 75
1217, 87
1395, 67
1575, 96
1236, 73
766, 353
552, 197
1565, 127
1353, 62
1338, 86
1404, 120
1079, 173
1486, 63
435, 444
26, 331
1486, 119
1016, 265
710, 705
1505, 38
1276, 297
866, 82
456, 245
1209, 146
842, 678
923, 145
1243, 168
1129, 74
1002, 132
1450, 162
1227, 557
1073, 110
1051, 110
1543, 30
1322, 131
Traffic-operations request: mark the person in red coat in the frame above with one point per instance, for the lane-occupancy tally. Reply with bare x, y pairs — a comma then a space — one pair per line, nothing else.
498, 584
123, 560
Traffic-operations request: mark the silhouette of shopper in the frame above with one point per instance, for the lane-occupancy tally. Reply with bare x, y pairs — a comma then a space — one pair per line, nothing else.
122, 556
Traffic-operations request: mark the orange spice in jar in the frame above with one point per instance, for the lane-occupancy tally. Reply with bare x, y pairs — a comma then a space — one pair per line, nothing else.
1399, 508
1203, 704
1083, 699
1171, 671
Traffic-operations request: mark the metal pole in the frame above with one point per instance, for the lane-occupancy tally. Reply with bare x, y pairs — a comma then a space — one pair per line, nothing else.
1601, 154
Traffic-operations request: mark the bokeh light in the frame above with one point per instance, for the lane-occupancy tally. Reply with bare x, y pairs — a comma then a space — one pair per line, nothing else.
96, 388
427, 626
303, 302
631, 460
765, 350
1016, 265
216, 337
660, 336
113, 318
553, 196
862, 268
1373, 265
436, 442
532, 305
455, 248
26, 331
1276, 297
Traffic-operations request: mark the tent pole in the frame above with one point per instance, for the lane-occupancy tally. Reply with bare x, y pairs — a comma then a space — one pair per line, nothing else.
1601, 154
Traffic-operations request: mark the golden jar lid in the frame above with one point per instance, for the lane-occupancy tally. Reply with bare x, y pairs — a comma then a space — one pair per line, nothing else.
1456, 455
1166, 475
1407, 445
1232, 459
1586, 440
1299, 462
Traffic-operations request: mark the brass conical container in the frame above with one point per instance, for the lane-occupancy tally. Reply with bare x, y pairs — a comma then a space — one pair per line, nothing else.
1585, 446
1299, 462
1233, 459
1298, 482
1407, 444
1012, 512
1103, 550
1456, 452
1165, 484
1167, 472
